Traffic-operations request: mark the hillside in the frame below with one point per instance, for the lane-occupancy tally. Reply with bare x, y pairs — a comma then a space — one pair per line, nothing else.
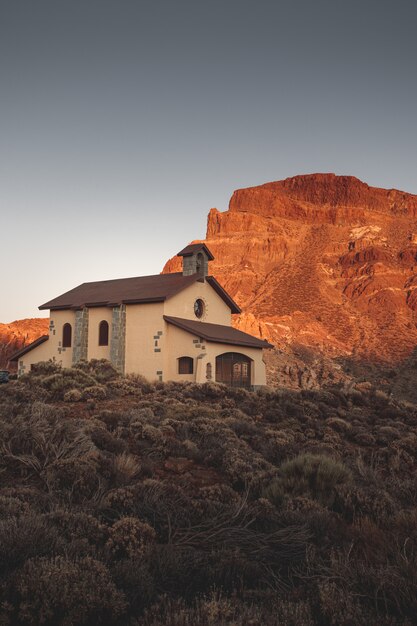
321, 261
129, 503
17, 334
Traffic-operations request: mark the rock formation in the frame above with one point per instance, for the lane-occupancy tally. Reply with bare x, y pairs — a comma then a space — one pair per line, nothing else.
321, 261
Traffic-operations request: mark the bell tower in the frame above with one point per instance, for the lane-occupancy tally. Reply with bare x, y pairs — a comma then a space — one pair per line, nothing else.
195, 260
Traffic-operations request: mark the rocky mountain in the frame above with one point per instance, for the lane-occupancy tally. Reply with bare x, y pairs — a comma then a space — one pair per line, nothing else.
17, 334
321, 262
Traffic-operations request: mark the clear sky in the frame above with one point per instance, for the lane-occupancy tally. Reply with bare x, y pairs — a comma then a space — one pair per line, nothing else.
122, 122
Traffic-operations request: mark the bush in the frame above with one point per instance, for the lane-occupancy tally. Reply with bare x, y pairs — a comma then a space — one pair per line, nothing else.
73, 395
129, 537
64, 591
310, 475
96, 392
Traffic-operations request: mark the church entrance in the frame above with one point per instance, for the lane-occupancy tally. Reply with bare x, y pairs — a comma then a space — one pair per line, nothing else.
233, 369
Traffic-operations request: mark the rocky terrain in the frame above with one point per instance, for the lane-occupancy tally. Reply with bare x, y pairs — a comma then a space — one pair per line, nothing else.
17, 334
322, 262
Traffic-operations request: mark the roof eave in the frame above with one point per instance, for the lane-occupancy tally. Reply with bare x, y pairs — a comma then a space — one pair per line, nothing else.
39, 341
259, 345
214, 283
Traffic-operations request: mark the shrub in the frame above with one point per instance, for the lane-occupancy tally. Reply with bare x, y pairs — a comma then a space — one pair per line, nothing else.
64, 591
312, 475
73, 395
130, 537
100, 369
77, 479
126, 467
95, 392
25, 537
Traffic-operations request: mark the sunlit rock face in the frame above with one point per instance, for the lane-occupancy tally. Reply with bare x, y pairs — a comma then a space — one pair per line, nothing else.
322, 261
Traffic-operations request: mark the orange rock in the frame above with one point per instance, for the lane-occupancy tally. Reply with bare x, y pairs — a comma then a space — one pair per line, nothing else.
323, 261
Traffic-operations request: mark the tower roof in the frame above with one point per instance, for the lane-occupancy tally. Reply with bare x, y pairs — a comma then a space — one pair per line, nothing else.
193, 248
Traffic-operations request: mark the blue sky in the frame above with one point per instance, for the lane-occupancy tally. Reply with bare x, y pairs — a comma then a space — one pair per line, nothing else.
123, 122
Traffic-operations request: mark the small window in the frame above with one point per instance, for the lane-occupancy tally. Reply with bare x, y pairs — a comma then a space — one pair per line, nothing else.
185, 365
103, 333
66, 336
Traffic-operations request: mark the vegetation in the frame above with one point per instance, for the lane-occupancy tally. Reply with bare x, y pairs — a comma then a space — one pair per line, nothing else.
125, 502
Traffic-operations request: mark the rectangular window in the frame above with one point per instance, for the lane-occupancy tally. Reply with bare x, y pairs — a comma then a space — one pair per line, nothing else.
185, 365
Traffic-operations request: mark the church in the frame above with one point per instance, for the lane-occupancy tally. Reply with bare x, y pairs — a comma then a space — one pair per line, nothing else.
164, 327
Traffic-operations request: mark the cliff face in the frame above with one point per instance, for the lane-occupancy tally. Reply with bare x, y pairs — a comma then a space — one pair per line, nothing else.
17, 334
321, 261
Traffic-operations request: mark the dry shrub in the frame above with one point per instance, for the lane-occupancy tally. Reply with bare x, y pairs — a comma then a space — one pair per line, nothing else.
353, 501
130, 537
78, 526
100, 369
136, 579
311, 475
339, 607
107, 441
122, 387
338, 424
216, 609
59, 383
11, 507
25, 537
95, 392
44, 368
118, 502
126, 467
75, 478
73, 395
67, 592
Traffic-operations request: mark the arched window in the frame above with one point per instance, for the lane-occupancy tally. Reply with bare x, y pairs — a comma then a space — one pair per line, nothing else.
103, 333
66, 335
185, 365
209, 371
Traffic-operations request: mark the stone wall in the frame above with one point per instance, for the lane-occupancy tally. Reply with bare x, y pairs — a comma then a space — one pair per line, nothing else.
118, 337
80, 343
190, 265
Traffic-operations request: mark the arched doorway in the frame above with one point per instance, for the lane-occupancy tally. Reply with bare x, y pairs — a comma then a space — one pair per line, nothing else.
233, 369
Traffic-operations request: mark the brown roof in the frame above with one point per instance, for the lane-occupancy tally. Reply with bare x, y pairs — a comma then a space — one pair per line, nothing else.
137, 290
195, 247
16, 356
218, 333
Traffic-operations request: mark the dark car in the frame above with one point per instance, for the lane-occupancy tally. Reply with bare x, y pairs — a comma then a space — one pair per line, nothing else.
4, 376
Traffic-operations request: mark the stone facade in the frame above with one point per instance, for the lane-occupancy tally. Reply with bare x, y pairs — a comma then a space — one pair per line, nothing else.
118, 337
80, 348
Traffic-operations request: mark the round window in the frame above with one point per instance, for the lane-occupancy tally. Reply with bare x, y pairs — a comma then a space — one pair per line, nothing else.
199, 308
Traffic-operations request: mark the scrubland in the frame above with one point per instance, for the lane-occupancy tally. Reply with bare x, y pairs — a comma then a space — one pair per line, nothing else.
125, 502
